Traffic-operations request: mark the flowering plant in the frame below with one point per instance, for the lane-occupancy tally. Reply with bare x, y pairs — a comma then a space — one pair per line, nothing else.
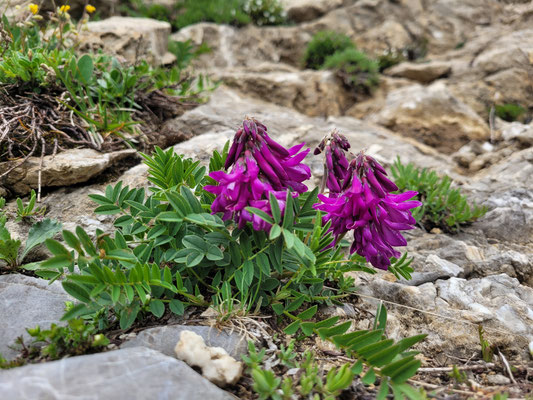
242, 240
360, 194
250, 237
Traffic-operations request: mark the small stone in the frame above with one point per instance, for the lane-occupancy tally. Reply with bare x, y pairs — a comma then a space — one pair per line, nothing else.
164, 338
498, 379
216, 364
436, 231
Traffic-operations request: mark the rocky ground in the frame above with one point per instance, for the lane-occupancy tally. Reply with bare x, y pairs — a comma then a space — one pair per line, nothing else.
434, 113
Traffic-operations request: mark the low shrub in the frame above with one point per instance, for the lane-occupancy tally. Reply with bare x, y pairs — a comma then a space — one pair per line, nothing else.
442, 206
323, 45
231, 12
355, 68
219, 11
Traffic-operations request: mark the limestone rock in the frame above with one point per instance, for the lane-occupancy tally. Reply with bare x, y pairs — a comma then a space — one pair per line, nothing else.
432, 269
248, 46
314, 93
66, 168
134, 39
136, 373
505, 188
456, 306
215, 122
520, 132
217, 366
421, 72
387, 35
164, 339
508, 51
26, 302
432, 115
307, 10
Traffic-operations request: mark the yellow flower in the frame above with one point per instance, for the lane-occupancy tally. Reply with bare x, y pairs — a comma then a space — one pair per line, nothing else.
64, 9
34, 8
90, 9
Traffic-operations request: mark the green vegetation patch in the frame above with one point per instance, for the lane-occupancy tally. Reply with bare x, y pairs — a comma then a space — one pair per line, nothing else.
442, 206
356, 69
323, 45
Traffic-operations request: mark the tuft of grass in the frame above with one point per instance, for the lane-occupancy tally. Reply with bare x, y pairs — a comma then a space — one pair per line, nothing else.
323, 45
356, 69
443, 207
74, 339
509, 112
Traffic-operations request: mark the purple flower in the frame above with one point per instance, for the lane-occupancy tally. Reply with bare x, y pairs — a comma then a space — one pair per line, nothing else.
282, 168
336, 170
260, 166
375, 215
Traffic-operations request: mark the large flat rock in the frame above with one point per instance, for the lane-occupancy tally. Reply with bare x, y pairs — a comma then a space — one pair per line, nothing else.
133, 39
66, 168
137, 373
24, 303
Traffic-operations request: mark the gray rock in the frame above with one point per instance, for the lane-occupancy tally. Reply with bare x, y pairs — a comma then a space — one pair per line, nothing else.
498, 379
248, 46
24, 303
165, 338
421, 72
505, 188
307, 10
433, 116
519, 132
434, 268
66, 168
508, 51
453, 309
136, 373
314, 93
133, 39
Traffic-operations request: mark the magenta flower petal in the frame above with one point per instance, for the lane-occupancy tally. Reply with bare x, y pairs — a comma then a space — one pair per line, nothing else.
367, 207
260, 166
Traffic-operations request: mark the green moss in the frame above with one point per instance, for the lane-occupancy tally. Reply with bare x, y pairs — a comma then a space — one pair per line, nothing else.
323, 45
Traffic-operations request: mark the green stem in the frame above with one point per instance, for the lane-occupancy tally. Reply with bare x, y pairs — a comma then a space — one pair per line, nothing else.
288, 314
249, 259
201, 280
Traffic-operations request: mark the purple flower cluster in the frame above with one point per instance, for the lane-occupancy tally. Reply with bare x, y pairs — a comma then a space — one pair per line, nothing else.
336, 170
260, 166
368, 207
